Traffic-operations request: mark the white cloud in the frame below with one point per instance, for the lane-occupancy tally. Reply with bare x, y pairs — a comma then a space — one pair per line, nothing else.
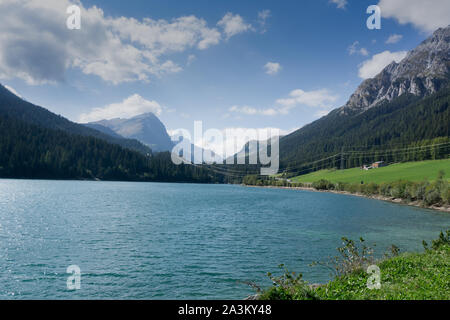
191, 58
425, 15
370, 68
263, 15
11, 89
253, 111
317, 98
364, 51
128, 108
262, 19
272, 68
322, 113
340, 4
173, 132
321, 98
233, 25
354, 48
394, 38
36, 45
235, 138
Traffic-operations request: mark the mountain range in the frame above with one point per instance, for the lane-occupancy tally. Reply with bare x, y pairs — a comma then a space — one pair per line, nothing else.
406, 105
145, 128
37, 143
402, 108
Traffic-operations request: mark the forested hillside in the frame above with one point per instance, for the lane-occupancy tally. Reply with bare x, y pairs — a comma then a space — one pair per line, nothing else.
390, 131
30, 151
17, 108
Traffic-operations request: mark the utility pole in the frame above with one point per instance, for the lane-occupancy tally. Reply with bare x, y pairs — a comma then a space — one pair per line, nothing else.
342, 158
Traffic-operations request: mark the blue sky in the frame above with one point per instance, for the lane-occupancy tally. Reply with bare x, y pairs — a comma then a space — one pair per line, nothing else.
232, 64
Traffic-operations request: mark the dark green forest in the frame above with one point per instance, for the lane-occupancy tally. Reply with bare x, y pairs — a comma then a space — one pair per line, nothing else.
29, 151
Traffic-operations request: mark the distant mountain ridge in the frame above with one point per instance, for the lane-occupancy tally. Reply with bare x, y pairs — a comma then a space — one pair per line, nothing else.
146, 128
15, 107
38, 144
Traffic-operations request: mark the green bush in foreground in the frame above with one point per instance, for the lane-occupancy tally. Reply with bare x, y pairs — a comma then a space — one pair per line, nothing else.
288, 286
409, 276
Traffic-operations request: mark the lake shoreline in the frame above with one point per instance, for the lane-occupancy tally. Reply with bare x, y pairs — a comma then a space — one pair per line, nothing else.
375, 197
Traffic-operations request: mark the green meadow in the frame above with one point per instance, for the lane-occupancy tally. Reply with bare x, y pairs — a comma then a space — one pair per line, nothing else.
408, 276
410, 171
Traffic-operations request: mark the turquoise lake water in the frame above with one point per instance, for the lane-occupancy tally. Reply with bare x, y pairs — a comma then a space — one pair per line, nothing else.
182, 241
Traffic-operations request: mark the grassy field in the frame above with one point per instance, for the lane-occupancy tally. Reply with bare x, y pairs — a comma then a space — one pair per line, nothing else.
408, 276
411, 171
411, 276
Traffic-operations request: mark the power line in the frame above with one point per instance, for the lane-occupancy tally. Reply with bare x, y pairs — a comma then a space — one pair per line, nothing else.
391, 150
289, 169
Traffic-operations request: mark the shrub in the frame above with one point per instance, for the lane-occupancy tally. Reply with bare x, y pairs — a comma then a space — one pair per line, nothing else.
372, 188
421, 190
353, 188
323, 185
411, 191
297, 185
443, 240
432, 197
342, 186
446, 196
352, 257
393, 252
407, 276
288, 286
445, 192
385, 189
436, 193
362, 188
397, 189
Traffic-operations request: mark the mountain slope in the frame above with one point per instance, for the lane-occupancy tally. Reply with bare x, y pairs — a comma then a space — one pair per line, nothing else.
389, 125
17, 108
405, 103
104, 129
425, 70
146, 128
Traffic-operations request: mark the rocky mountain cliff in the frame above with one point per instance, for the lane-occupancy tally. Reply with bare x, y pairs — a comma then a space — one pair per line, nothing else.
422, 72
146, 128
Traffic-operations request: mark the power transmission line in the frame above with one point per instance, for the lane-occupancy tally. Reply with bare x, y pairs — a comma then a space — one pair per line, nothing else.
290, 169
